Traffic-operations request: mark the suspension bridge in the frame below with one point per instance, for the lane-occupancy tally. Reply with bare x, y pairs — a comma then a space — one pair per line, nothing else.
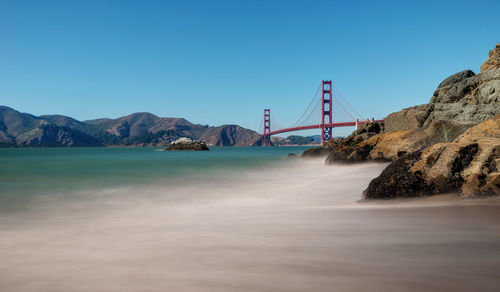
326, 111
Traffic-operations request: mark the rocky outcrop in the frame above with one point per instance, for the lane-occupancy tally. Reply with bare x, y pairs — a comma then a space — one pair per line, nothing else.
354, 148
316, 152
451, 144
390, 146
187, 144
467, 165
347, 150
493, 60
408, 119
460, 102
408, 185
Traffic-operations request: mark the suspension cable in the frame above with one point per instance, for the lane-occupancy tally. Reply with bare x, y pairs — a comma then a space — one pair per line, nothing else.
304, 113
362, 118
354, 119
315, 107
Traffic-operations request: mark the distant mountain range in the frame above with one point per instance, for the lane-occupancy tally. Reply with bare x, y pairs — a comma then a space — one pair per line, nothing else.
139, 129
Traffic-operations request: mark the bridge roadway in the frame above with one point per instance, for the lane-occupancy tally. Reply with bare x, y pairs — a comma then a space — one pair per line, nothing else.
319, 126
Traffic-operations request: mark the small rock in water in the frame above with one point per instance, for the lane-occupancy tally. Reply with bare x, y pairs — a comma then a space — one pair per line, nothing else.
187, 144
292, 155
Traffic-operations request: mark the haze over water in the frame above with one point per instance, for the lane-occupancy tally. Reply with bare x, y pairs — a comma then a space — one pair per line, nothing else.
232, 219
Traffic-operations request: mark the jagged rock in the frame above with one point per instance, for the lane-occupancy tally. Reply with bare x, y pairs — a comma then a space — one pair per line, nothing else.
456, 78
345, 150
353, 148
493, 60
316, 152
408, 119
463, 99
390, 146
467, 165
187, 144
460, 102
397, 181
368, 130
451, 144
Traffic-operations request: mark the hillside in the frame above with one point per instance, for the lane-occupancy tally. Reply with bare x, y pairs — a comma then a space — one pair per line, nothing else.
139, 129
26, 130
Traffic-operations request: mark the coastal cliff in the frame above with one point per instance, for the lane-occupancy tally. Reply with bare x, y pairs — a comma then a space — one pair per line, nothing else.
451, 144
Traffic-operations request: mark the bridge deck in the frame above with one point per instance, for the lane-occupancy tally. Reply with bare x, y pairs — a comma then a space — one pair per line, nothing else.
333, 125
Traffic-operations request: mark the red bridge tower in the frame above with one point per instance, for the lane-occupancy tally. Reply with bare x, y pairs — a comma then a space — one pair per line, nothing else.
326, 110
267, 128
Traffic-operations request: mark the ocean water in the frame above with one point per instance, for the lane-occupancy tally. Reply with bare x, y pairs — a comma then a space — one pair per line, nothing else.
232, 219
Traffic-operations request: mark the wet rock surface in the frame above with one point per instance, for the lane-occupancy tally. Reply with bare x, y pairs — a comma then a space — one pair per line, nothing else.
187, 144
467, 165
397, 181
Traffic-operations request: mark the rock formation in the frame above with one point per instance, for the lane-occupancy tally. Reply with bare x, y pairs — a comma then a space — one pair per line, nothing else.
340, 149
316, 152
187, 144
493, 60
468, 165
461, 101
451, 144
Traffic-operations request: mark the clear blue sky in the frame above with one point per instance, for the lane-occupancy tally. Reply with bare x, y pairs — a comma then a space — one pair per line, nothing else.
222, 62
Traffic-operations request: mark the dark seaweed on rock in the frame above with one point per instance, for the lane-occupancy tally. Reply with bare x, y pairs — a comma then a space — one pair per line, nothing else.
397, 180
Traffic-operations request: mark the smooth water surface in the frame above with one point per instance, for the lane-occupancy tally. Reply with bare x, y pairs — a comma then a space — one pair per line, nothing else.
232, 219
29, 172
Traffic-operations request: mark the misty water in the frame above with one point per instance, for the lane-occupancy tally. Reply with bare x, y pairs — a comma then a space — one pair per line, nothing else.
232, 219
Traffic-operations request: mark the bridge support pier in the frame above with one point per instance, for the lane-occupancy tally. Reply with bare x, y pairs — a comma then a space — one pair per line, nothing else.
326, 111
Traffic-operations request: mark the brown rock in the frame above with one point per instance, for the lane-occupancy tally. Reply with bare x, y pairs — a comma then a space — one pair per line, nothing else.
316, 152
408, 119
467, 165
390, 146
356, 147
462, 100
493, 60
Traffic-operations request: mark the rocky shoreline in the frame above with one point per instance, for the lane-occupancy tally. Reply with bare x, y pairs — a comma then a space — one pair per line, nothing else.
451, 144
